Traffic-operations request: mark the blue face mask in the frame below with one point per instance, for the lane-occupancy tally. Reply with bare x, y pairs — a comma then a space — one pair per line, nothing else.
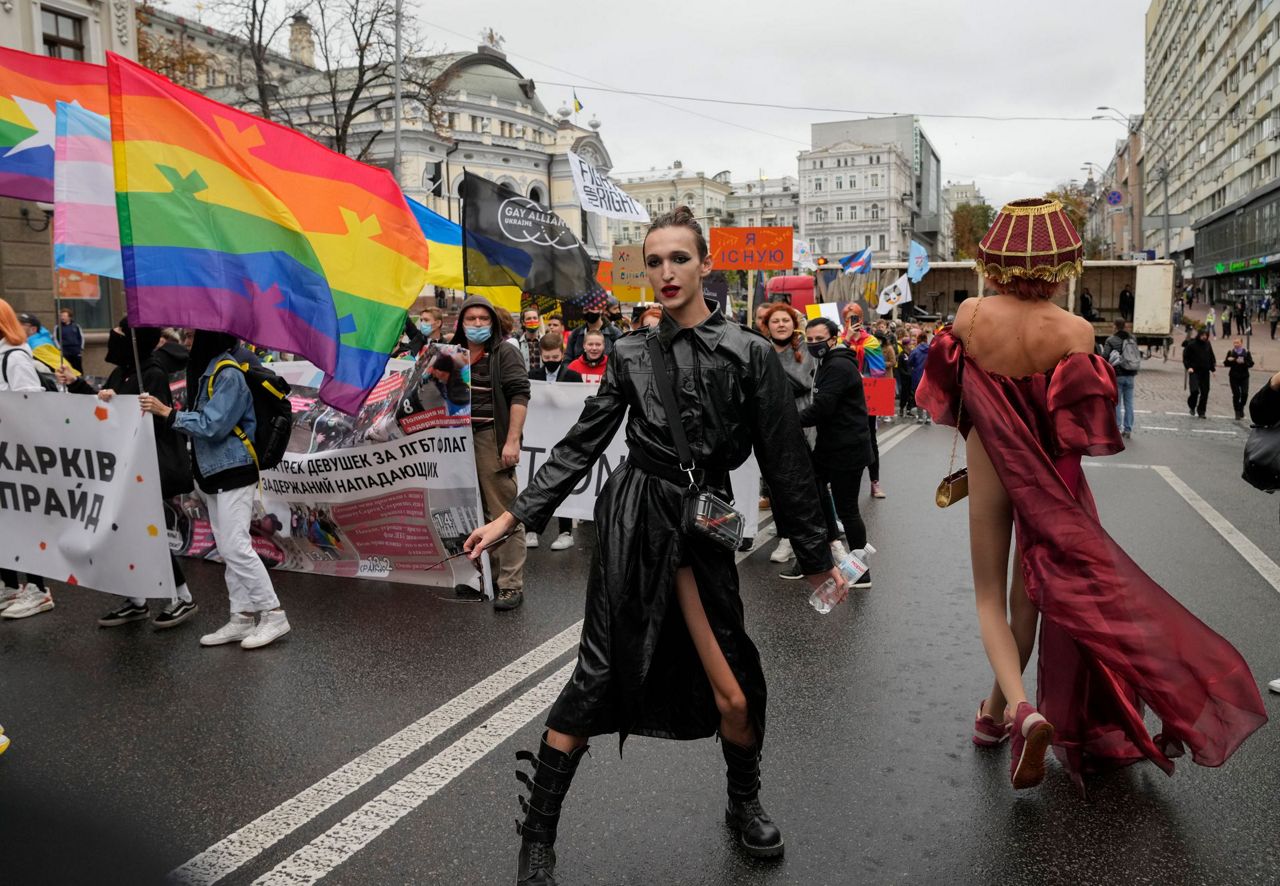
479, 334
425, 328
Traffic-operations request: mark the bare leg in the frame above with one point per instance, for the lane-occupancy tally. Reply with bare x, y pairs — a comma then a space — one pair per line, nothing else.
564, 743
735, 722
990, 530
1024, 618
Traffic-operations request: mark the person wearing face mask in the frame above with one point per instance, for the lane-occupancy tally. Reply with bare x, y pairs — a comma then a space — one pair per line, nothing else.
499, 404
552, 369
842, 452
594, 359
1238, 362
431, 324
175, 470
595, 323
527, 338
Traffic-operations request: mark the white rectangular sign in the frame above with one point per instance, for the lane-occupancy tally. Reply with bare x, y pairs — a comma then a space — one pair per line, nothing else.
599, 195
554, 409
80, 493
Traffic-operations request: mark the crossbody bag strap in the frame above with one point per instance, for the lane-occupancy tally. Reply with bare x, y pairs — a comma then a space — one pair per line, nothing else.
667, 392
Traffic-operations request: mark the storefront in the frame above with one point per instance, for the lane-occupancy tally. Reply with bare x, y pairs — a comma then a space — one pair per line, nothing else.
1237, 248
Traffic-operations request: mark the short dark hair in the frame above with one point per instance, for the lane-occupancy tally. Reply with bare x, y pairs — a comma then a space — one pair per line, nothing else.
1120, 324
832, 329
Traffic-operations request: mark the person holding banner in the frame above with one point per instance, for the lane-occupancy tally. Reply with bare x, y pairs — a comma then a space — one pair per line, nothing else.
18, 373
551, 368
664, 648
226, 475
175, 470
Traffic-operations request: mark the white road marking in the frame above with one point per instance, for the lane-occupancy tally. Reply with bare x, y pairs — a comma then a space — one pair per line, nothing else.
1265, 566
1188, 415
1097, 463
237, 849
1154, 428
357, 830
1207, 431
898, 438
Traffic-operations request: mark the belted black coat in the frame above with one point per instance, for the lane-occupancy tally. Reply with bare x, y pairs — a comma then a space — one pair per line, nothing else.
637, 670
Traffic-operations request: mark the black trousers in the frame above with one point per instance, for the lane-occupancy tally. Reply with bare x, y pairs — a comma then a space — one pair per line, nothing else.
1198, 389
1239, 393
845, 488
10, 579
873, 469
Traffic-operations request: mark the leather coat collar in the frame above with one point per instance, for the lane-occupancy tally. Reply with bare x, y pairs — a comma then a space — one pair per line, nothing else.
710, 331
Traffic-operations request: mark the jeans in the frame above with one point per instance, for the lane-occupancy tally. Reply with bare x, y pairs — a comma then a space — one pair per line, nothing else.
1124, 402
1239, 393
1198, 389
248, 583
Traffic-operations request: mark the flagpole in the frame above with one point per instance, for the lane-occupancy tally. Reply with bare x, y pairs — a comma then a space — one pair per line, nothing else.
395, 157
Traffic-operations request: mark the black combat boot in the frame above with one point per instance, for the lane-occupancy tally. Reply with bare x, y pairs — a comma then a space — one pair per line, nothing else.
756, 831
552, 773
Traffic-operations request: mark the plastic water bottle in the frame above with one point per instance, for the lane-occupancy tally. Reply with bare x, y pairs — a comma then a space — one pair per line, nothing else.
852, 568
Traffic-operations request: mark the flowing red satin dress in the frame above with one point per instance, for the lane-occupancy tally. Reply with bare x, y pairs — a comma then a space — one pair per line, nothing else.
1111, 638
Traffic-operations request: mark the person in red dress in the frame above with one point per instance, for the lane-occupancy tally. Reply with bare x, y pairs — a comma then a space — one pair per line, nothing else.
1018, 376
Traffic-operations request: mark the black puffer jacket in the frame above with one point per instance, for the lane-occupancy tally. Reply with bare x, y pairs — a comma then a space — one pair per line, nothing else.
637, 669
839, 412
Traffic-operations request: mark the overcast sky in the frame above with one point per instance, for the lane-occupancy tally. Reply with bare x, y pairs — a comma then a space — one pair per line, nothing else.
904, 56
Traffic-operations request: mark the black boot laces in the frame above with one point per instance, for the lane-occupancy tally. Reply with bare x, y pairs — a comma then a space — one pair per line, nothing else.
539, 856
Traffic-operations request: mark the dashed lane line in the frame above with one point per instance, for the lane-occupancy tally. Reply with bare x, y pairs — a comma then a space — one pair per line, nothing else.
241, 847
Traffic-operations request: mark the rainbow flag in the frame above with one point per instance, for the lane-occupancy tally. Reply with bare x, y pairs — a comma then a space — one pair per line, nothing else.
30, 88
444, 240
231, 223
86, 232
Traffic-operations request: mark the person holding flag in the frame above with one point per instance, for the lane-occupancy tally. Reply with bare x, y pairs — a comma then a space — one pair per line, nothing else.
871, 364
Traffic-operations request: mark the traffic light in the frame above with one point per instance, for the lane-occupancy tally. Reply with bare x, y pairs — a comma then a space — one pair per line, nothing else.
821, 261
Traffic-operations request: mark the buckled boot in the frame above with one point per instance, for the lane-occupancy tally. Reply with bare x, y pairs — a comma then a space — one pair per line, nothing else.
757, 833
552, 773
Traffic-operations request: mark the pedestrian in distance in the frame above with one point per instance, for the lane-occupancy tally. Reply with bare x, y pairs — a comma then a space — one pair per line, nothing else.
1238, 361
1200, 363
1121, 351
1210, 322
780, 324
70, 339
1273, 316
552, 369
220, 420
842, 450
662, 599
1264, 412
171, 454
1018, 376
22, 595
1126, 303
499, 406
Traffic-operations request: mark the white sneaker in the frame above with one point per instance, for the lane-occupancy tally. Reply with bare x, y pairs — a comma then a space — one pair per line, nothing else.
9, 596
531, 539
239, 627
838, 551
563, 542
271, 627
782, 553
31, 601
1274, 685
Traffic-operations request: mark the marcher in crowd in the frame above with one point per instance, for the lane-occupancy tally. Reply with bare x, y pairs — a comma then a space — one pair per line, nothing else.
22, 595
919, 355
782, 328
1199, 361
171, 355
595, 322
70, 339
664, 650
1121, 351
1238, 362
871, 364
431, 323
594, 358
499, 405
175, 467
651, 317
226, 479
838, 411
527, 338
1264, 411
552, 369
555, 326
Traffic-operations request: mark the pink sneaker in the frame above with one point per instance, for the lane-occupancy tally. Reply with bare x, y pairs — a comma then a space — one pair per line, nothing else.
876, 490
987, 733
1032, 735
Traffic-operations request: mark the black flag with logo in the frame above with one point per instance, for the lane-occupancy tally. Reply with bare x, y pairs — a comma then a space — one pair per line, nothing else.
509, 240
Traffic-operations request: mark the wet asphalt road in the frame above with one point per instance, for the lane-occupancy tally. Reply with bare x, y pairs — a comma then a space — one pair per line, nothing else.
135, 751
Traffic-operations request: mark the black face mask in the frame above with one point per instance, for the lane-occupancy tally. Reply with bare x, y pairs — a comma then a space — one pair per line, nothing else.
819, 349
615, 317
591, 316
119, 350
783, 341
552, 366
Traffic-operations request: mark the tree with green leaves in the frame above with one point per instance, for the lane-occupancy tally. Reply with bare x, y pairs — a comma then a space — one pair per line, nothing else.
969, 224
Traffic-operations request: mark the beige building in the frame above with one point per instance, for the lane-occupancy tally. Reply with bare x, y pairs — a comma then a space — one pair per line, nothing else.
80, 31
766, 203
661, 190
1116, 227
855, 196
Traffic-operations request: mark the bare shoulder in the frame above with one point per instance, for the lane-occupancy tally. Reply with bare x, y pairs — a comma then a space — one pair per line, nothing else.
1079, 334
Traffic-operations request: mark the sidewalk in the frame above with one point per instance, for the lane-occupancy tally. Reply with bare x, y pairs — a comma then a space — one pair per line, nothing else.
1266, 353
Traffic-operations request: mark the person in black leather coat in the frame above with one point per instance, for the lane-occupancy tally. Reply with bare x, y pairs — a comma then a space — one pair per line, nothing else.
664, 649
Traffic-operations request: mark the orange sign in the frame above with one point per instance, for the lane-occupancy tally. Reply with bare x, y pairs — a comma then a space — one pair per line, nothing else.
78, 285
751, 249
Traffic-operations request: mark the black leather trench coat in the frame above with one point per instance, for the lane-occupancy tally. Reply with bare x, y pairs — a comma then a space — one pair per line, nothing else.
637, 670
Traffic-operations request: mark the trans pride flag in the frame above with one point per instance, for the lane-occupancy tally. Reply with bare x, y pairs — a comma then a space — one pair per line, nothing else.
232, 223
86, 233
30, 88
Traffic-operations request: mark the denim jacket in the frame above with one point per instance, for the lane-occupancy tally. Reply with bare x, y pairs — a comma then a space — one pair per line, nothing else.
210, 425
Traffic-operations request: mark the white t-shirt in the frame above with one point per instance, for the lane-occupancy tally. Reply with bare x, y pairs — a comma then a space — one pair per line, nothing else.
18, 372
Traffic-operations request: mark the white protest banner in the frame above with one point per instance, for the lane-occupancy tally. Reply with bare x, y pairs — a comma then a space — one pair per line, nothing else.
898, 293
554, 409
599, 195
80, 493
